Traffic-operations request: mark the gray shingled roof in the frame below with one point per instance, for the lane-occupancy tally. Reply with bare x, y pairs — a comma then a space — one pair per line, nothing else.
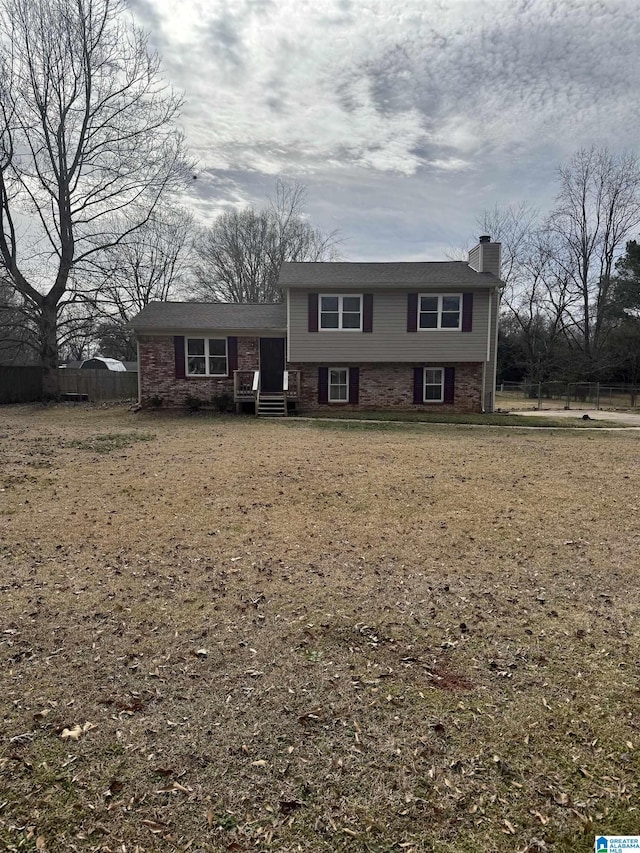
210, 315
402, 275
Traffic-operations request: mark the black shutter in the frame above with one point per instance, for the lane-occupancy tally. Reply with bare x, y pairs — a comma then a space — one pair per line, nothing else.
313, 312
449, 384
367, 312
412, 313
232, 355
178, 350
323, 385
418, 385
467, 312
354, 385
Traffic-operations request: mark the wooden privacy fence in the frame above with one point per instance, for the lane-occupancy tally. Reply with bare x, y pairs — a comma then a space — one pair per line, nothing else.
23, 384
99, 384
20, 384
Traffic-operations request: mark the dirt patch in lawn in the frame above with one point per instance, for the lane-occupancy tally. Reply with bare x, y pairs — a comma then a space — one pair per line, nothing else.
228, 634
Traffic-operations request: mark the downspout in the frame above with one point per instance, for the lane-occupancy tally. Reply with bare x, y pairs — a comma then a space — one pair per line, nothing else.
484, 382
495, 345
288, 352
139, 372
488, 359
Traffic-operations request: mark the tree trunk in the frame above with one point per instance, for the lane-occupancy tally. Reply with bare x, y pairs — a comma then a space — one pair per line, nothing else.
48, 323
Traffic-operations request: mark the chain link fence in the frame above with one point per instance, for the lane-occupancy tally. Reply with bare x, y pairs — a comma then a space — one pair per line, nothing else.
567, 395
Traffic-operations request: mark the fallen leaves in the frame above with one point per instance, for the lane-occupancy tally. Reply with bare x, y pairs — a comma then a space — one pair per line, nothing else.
22, 739
288, 806
263, 723
115, 786
155, 826
77, 731
544, 820
173, 788
72, 734
310, 717
41, 715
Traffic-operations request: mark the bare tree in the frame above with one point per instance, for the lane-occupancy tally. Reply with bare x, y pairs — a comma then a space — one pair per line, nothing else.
18, 343
531, 299
538, 302
240, 255
150, 264
597, 209
86, 131
77, 331
512, 226
559, 273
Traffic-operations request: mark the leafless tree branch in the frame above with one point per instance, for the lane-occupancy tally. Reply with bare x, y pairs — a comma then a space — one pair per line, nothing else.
86, 130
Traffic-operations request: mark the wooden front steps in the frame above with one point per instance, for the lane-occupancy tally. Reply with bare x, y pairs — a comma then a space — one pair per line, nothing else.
271, 406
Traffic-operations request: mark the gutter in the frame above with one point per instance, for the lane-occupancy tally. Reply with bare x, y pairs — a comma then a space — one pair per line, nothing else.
488, 358
492, 291
495, 342
139, 372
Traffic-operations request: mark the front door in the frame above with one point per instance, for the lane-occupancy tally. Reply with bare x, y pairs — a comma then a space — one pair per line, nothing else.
271, 364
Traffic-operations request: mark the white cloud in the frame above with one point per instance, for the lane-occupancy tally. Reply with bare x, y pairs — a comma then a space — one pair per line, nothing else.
487, 96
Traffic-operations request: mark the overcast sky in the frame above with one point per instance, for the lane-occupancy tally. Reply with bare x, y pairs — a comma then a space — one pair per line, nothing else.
405, 119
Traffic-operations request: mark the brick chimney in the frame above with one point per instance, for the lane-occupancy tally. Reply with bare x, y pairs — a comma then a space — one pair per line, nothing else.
486, 256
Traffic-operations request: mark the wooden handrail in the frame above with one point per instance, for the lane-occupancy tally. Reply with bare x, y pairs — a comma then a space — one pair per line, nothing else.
246, 385
243, 389
285, 389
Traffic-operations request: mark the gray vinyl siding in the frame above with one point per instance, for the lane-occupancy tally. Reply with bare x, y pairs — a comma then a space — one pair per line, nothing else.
389, 341
491, 258
474, 258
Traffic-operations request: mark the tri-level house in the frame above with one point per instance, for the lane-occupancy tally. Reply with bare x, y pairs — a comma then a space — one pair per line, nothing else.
367, 336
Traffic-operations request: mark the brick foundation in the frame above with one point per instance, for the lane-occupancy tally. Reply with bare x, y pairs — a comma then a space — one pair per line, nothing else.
382, 386
390, 386
158, 372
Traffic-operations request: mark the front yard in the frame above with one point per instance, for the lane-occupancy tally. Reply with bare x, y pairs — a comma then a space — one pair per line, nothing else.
228, 634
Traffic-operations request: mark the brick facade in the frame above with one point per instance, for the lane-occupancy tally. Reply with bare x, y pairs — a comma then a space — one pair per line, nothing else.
382, 386
390, 386
248, 353
158, 372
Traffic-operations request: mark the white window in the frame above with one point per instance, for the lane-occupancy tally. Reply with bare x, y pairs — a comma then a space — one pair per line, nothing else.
433, 384
206, 356
341, 312
440, 311
338, 384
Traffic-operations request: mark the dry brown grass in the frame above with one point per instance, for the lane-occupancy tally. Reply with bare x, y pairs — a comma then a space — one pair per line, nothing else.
293, 638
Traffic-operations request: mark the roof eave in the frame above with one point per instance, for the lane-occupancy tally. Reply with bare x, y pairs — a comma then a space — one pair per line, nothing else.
484, 280
226, 331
